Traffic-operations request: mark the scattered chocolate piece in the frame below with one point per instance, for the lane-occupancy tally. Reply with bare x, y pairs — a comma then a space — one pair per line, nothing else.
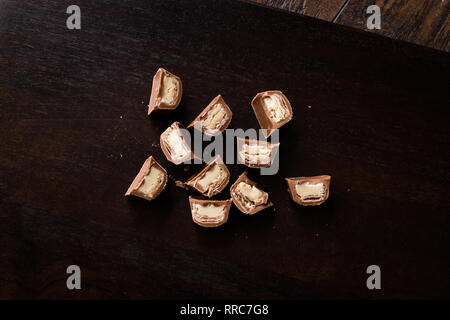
255, 153
214, 118
149, 182
174, 145
247, 197
181, 184
309, 191
272, 109
209, 213
212, 179
166, 91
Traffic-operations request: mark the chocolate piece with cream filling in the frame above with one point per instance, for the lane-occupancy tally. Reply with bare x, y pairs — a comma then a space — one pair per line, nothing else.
272, 109
247, 197
167, 90
309, 191
212, 179
255, 153
209, 213
149, 182
214, 118
174, 145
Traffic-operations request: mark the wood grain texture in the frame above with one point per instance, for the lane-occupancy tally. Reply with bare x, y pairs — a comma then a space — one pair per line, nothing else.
369, 111
417, 21
421, 22
322, 9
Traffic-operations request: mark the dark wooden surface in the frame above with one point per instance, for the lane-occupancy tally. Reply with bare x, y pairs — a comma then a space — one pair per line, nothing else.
371, 112
422, 22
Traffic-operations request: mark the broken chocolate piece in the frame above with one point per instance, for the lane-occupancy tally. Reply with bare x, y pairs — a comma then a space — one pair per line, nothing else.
212, 179
247, 197
309, 191
214, 118
209, 213
174, 144
166, 91
150, 181
255, 153
272, 109
181, 184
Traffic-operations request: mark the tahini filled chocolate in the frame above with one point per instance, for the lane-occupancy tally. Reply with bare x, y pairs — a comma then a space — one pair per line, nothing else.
149, 182
166, 93
256, 153
209, 213
272, 109
214, 118
309, 191
212, 179
248, 197
174, 145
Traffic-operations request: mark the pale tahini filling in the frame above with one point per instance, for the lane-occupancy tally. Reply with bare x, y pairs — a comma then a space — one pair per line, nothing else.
211, 178
256, 154
152, 182
310, 192
176, 144
214, 118
276, 107
209, 213
169, 90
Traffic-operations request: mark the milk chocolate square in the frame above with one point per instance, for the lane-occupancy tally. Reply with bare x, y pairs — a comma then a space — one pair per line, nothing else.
167, 90
309, 191
214, 118
256, 153
174, 145
247, 197
209, 213
149, 182
272, 109
212, 179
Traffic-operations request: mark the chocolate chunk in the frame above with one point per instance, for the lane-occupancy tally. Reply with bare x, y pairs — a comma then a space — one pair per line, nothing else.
150, 181
166, 91
212, 179
209, 213
255, 153
214, 118
309, 191
174, 145
247, 197
272, 109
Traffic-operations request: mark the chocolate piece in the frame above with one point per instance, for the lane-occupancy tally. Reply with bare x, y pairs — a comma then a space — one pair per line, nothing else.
309, 191
214, 118
272, 109
212, 179
174, 145
255, 153
166, 91
149, 182
181, 184
209, 213
247, 197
